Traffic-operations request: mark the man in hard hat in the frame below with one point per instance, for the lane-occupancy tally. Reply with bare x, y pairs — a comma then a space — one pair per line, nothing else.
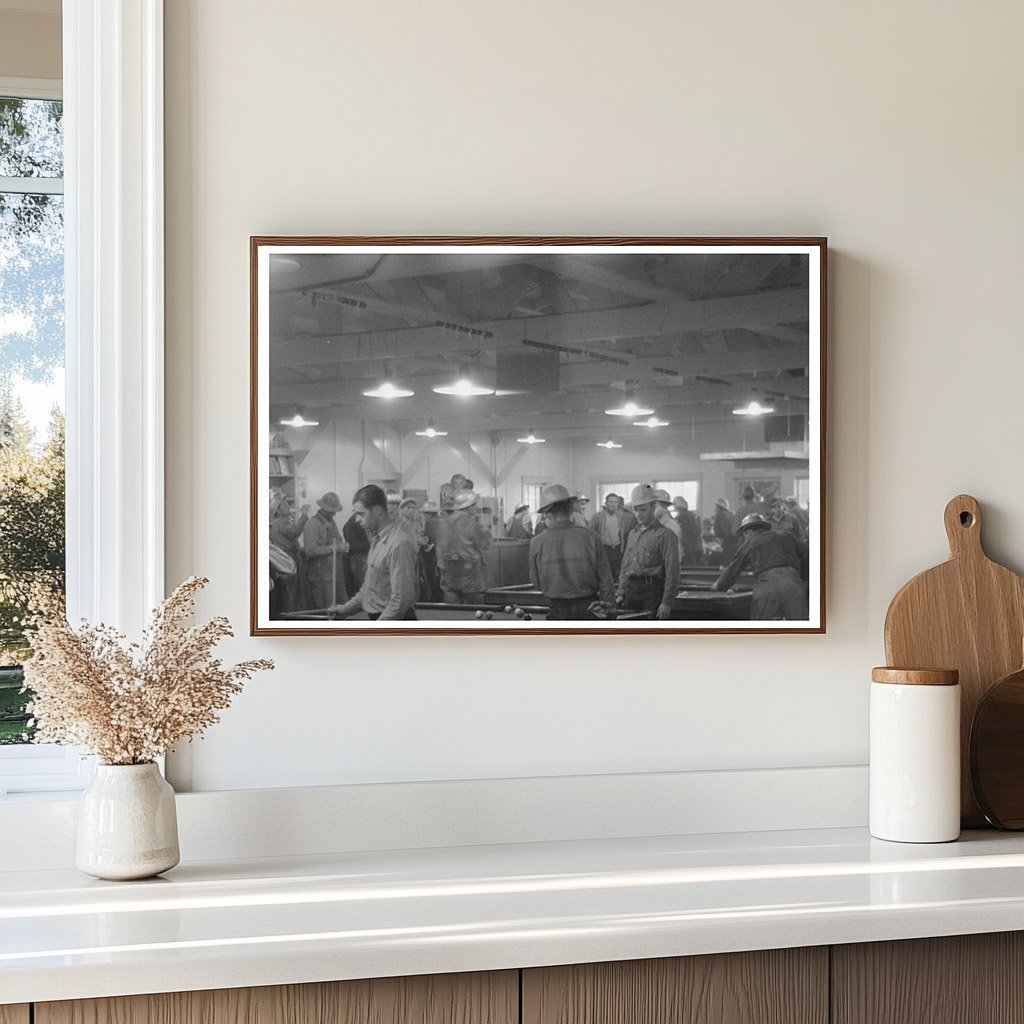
579, 511
321, 543
389, 590
662, 504
649, 577
461, 552
690, 528
778, 566
567, 562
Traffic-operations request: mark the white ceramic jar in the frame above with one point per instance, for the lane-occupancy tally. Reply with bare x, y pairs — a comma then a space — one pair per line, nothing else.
915, 755
127, 823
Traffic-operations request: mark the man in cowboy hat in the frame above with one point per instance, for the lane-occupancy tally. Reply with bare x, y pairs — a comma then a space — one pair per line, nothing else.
389, 591
567, 562
778, 567
322, 544
461, 552
519, 526
650, 566
692, 552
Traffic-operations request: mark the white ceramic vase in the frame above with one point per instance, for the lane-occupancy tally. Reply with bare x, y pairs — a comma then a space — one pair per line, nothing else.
127, 825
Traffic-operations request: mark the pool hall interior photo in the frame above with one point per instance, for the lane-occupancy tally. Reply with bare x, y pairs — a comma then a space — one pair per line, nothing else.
467, 380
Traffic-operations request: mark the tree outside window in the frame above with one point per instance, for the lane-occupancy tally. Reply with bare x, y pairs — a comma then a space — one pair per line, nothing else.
31, 384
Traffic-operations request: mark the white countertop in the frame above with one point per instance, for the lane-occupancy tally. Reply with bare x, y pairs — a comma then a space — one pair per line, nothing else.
225, 924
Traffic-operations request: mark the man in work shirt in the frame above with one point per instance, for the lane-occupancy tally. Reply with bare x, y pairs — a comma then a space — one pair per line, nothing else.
692, 552
389, 591
322, 543
650, 566
778, 565
567, 562
609, 524
461, 553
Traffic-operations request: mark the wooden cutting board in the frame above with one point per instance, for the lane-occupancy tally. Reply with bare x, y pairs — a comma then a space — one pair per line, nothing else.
967, 614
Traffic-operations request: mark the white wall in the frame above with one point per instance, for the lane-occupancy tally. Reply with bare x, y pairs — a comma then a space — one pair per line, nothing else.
894, 129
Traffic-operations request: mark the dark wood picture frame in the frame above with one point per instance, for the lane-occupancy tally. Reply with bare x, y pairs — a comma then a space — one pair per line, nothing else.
297, 248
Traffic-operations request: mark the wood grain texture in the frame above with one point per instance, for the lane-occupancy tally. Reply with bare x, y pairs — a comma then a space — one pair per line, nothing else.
779, 986
997, 752
916, 676
480, 998
963, 979
967, 614
14, 1014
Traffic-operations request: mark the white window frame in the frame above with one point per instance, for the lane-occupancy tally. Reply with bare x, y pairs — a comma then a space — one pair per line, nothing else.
114, 336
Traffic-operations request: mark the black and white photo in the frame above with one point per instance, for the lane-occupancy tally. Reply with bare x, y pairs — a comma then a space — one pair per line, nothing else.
543, 434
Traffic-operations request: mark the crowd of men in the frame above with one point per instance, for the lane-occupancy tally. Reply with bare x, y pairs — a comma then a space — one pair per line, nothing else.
392, 553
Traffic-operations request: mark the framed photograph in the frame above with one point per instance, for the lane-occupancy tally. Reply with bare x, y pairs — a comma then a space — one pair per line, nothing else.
537, 435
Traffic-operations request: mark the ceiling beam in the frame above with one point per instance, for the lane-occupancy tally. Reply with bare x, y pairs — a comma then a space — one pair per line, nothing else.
755, 312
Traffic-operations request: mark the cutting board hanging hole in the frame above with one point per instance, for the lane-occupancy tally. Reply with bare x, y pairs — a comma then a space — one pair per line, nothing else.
963, 526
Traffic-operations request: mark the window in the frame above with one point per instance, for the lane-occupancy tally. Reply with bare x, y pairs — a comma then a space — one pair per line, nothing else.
31, 381
621, 489
689, 489
531, 496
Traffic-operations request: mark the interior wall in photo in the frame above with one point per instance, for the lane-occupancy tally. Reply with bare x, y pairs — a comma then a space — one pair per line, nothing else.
893, 130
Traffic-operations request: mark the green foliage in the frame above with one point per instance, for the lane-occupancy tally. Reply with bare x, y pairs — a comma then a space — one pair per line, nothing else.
31, 522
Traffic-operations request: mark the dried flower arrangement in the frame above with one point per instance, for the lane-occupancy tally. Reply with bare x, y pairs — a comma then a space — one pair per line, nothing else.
129, 704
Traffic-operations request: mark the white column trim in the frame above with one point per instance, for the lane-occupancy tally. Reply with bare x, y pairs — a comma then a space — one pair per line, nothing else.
113, 95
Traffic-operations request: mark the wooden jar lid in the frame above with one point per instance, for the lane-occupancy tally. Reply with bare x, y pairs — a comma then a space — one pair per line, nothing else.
916, 676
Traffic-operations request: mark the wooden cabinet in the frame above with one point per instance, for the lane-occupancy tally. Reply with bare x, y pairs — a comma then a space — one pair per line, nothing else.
491, 998
963, 979
778, 986
973, 979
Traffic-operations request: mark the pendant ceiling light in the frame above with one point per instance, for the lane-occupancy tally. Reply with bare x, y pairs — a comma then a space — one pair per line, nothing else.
629, 408
531, 438
609, 444
298, 420
431, 432
463, 388
753, 408
386, 389
652, 423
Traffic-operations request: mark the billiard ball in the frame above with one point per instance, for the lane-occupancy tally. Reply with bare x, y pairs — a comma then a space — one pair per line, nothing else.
508, 609
519, 613
479, 614
527, 616
488, 615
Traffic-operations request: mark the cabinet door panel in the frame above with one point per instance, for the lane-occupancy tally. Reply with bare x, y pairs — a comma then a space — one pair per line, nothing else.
962, 979
14, 1014
483, 998
779, 986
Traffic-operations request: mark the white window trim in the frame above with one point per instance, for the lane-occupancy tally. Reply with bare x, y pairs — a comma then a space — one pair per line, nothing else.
114, 323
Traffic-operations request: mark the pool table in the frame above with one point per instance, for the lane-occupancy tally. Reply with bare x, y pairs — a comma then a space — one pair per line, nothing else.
427, 611
695, 601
